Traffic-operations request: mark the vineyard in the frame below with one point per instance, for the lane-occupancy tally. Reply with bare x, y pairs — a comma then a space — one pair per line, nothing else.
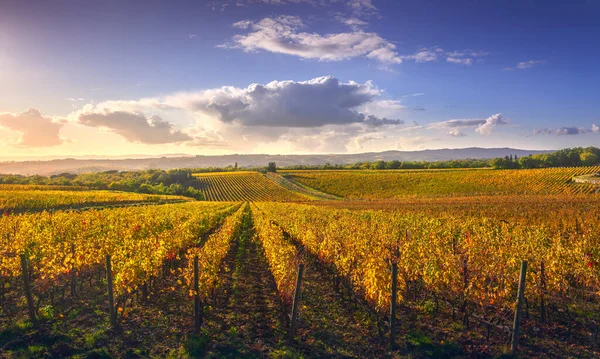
401, 183
23, 200
244, 186
408, 276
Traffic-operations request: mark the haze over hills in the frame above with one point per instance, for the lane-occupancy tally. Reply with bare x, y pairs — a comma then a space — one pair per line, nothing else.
80, 165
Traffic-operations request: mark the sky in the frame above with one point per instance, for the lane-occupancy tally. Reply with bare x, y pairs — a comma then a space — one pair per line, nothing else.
114, 78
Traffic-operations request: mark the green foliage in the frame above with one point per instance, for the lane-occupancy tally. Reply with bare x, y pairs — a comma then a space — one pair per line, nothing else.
178, 182
272, 167
98, 354
395, 164
196, 345
568, 157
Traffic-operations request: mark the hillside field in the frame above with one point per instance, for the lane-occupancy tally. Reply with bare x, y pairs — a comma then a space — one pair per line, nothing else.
386, 184
244, 186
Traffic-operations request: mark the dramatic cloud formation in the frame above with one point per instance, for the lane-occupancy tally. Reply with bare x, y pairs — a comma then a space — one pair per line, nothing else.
282, 35
36, 130
133, 126
483, 127
314, 103
490, 123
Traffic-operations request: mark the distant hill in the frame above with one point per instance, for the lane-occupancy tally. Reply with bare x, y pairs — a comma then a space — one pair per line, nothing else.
71, 165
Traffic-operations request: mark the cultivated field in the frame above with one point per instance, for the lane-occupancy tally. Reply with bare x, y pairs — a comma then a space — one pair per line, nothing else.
25, 199
244, 186
401, 183
221, 279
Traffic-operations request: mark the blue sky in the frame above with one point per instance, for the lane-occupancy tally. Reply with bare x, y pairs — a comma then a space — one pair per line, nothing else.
296, 76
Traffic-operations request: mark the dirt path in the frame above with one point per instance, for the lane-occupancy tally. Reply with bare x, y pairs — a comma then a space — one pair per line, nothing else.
245, 319
331, 326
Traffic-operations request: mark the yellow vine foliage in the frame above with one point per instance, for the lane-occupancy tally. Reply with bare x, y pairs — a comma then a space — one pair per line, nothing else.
37, 199
138, 239
243, 186
282, 255
457, 258
386, 184
210, 255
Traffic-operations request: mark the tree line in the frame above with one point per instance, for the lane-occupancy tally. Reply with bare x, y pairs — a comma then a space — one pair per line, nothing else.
568, 157
179, 182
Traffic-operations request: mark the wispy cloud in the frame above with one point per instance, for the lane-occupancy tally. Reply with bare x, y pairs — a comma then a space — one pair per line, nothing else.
363, 8
459, 61
463, 57
284, 35
525, 65
566, 131
456, 133
482, 126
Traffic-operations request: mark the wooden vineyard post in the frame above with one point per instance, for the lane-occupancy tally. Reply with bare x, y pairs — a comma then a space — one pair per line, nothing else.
111, 299
73, 274
542, 292
27, 286
197, 303
520, 299
393, 306
296, 301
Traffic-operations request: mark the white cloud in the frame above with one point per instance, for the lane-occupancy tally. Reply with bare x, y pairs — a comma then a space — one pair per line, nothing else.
455, 60
471, 122
490, 123
133, 126
353, 23
467, 53
529, 64
456, 133
525, 65
359, 141
464, 57
566, 131
283, 35
383, 108
425, 55
36, 130
363, 7
483, 126
313, 103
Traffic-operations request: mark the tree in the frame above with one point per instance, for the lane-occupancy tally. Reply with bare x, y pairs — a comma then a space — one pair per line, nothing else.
588, 158
393, 165
378, 165
272, 167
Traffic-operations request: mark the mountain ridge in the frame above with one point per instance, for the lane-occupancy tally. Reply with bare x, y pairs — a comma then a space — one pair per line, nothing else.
80, 165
